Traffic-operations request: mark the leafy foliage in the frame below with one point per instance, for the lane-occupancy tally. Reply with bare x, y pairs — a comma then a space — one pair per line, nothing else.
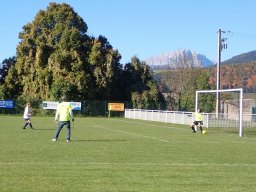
182, 85
236, 76
51, 57
106, 68
6, 64
56, 57
139, 82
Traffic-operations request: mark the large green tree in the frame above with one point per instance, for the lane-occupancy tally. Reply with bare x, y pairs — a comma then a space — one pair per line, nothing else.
106, 69
52, 55
56, 57
140, 86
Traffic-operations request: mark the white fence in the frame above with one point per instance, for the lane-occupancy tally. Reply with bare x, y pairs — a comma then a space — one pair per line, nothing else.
176, 117
186, 118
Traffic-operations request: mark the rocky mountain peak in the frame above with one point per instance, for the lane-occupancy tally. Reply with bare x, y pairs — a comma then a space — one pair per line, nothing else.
178, 59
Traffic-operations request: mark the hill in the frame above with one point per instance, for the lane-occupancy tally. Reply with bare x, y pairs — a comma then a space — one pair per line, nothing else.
242, 58
241, 75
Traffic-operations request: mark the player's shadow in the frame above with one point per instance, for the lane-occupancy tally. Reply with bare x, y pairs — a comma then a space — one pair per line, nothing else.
49, 129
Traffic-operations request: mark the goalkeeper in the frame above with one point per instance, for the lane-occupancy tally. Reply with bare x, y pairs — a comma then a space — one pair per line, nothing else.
198, 121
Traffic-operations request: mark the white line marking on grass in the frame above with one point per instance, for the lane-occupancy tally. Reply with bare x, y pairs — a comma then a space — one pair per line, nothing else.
163, 126
140, 164
138, 135
171, 127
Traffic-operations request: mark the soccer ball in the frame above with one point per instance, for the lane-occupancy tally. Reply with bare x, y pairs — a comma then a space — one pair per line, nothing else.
203, 132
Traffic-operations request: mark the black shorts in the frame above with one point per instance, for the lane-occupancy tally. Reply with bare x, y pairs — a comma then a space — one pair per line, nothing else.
197, 122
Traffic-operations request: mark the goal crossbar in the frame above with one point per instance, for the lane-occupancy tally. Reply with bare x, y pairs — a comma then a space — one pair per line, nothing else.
240, 90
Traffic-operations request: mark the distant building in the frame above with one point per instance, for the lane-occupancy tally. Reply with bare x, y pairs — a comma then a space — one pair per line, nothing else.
231, 109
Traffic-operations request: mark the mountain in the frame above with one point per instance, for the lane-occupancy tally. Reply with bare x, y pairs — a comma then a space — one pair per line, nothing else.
242, 58
178, 59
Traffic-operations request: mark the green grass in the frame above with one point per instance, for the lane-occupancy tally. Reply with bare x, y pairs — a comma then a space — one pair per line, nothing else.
114, 155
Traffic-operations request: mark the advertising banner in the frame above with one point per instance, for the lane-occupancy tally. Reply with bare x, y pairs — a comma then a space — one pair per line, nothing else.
7, 104
116, 106
53, 105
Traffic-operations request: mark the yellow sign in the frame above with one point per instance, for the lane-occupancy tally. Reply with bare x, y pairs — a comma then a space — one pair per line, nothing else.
116, 106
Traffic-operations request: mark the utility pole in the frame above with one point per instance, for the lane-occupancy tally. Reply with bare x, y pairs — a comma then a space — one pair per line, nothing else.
221, 45
218, 74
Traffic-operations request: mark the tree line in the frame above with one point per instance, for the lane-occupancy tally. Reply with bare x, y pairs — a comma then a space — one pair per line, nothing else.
242, 75
180, 85
56, 57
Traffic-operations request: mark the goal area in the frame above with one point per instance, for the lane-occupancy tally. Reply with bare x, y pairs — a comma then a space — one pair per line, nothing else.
230, 113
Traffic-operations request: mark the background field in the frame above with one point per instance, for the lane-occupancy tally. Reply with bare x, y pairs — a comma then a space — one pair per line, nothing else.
116, 154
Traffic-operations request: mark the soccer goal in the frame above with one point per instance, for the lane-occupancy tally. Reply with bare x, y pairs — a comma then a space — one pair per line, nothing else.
231, 110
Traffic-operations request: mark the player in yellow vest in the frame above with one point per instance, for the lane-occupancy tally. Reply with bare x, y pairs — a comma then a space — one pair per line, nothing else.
198, 121
64, 115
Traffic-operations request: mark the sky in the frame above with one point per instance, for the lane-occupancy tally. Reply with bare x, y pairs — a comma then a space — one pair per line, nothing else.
146, 28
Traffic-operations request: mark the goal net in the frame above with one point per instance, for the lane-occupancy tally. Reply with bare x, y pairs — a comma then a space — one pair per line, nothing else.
229, 109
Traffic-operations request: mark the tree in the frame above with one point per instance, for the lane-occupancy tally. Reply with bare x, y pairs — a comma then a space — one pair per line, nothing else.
7, 67
6, 64
56, 57
179, 79
106, 68
11, 86
140, 86
199, 81
136, 75
183, 97
52, 55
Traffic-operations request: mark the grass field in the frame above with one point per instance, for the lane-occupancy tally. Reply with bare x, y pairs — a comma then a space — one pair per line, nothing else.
122, 155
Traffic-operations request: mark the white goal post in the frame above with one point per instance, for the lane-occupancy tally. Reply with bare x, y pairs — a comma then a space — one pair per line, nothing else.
240, 90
